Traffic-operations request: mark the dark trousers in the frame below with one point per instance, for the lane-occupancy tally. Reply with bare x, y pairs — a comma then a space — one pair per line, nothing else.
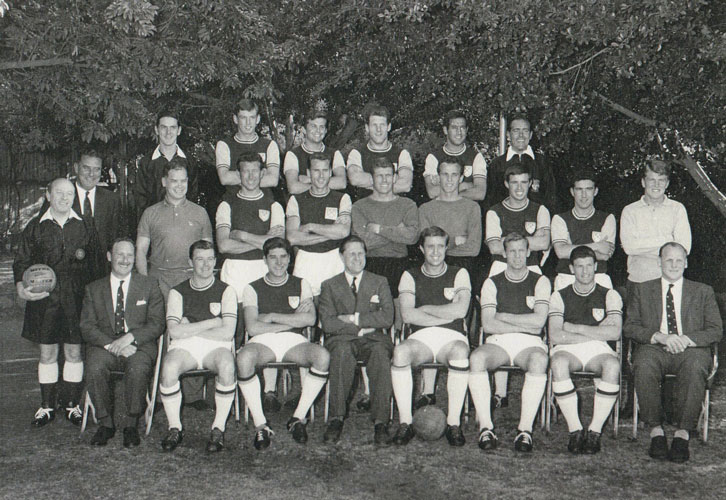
650, 365
137, 374
375, 350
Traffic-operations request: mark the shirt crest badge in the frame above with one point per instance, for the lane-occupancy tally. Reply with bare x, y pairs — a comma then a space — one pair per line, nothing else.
294, 301
530, 301
449, 293
530, 227
598, 314
264, 215
215, 308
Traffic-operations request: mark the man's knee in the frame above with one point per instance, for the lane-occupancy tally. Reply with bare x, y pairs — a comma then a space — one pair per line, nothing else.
320, 358
340, 352
478, 360
225, 369
72, 353
538, 361
459, 351
560, 366
611, 369
402, 355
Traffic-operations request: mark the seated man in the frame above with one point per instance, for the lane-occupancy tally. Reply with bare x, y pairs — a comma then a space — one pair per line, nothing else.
514, 306
673, 321
201, 315
584, 316
277, 307
434, 301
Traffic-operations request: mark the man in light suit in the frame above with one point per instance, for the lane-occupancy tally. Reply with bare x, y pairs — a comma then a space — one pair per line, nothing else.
355, 310
121, 320
673, 322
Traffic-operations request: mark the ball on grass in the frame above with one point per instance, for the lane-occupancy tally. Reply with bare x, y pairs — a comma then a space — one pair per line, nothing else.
429, 423
39, 278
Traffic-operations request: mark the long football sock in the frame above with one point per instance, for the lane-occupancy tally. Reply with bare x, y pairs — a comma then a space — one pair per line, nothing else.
223, 399
171, 398
250, 388
456, 384
532, 391
566, 396
402, 382
605, 396
48, 379
501, 380
481, 394
311, 386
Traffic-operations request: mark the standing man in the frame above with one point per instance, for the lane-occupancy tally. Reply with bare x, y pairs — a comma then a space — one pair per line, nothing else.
297, 160
169, 227
355, 310
125, 340
474, 183
583, 318
673, 322
60, 239
583, 225
360, 163
434, 302
277, 308
201, 316
514, 306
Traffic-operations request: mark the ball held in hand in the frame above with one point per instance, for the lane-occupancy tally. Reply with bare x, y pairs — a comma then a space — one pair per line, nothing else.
39, 278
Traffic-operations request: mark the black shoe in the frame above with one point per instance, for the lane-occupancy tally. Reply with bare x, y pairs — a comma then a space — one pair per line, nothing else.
576, 443
199, 405
679, 451
131, 437
292, 402
262, 438
425, 400
102, 435
523, 441
364, 403
592, 443
332, 433
173, 438
658, 448
487, 439
270, 403
74, 415
404, 434
216, 441
454, 435
380, 434
499, 402
296, 427
43, 416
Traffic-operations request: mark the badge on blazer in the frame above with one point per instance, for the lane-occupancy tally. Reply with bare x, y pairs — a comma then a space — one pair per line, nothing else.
264, 215
535, 186
530, 301
294, 301
215, 308
331, 213
598, 313
530, 227
468, 170
80, 254
449, 293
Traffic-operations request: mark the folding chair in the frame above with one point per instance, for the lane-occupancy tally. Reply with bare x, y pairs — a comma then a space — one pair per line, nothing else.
705, 405
150, 396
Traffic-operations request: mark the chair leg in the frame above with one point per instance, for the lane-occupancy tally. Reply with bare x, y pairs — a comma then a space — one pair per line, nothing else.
236, 403
87, 405
327, 401
635, 415
705, 414
548, 403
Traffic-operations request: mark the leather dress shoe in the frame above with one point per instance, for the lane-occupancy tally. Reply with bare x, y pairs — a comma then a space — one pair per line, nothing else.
658, 447
131, 437
404, 434
102, 435
679, 451
332, 433
380, 434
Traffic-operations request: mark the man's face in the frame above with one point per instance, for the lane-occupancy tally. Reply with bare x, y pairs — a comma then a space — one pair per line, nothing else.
88, 171
60, 196
377, 129
673, 263
250, 174
584, 270
121, 258
584, 193
434, 250
654, 185
247, 121
277, 262
450, 177
519, 135
518, 186
316, 129
320, 174
517, 253
455, 132
354, 257
383, 179
167, 130
176, 183
203, 262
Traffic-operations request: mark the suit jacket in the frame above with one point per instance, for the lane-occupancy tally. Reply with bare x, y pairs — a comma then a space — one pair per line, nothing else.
700, 316
373, 303
144, 313
107, 217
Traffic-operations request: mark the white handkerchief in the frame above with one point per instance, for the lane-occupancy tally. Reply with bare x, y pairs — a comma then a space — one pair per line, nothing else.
375, 299
140, 302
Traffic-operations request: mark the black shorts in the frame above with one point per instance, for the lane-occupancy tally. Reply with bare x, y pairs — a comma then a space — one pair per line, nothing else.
56, 318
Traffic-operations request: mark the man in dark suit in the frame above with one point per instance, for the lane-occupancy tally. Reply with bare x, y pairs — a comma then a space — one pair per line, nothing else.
121, 320
673, 321
355, 310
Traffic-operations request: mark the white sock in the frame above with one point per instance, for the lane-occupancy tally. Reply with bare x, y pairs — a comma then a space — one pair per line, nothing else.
48, 373
270, 376
501, 379
223, 399
311, 385
566, 396
657, 431
481, 393
605, 396
532, 391
456, 384
251, 391
72, 372
682, 433
171, 397
429, 380
402, 382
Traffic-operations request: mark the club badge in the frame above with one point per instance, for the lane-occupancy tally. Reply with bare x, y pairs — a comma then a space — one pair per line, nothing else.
530, 301
598, 314
80, 254
468, 170
530, 227
294, 301
331, 213
264, 215
449, 293
215, 308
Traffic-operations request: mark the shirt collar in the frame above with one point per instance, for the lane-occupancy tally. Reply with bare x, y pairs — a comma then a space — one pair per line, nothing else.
349, 278
511, 152
157, 153
48, 216
666, 201
115, 281
82, 191
677, 285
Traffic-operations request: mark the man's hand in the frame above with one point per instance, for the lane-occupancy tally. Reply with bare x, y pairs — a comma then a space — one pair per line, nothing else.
604, 247
184, 320
673, 344
265, 318
365, 331
347, 318
459, 240
374, 228
120, 343
128, 351
435, 180
277, 231
28, 294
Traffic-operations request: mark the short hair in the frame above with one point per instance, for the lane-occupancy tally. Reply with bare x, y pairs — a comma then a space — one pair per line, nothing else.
246, 105
582, 252
659, 167
168, 113
90, 153
121, 239
274, 243
375, 109
511, 238
176, 163
435, 231
519, 116
314, 114
321, 156
49, 188
583, 174
201, 245
453, 115
672, 244
382, 162
249, 157
450, 160
515, 169
353, 238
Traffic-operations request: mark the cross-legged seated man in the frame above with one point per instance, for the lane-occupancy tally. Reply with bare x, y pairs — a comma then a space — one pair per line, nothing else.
584, 316
514, 307
277, 307
201, 316
434, 301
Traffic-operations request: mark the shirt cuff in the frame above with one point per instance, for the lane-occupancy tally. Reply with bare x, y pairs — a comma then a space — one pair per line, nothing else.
356, 319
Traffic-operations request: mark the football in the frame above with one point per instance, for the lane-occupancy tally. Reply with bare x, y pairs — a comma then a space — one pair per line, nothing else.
429, 423
39, 278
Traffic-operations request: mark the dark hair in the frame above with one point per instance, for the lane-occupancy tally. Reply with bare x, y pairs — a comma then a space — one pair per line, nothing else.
246, 105
511, 238
121, 240
201, 245
672, 244
583, 174
351, 239
519, 116
453, 115
450, 160
375, 109
321, 156
168, 113
582, 252
314, 114
434, 231
659, 167
176, 163
274, 243
382, 162
515, 169
90, 153
249, 157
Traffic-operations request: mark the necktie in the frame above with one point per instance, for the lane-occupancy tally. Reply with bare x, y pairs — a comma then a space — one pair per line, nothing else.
119, 313
87, 210
671, 312
353, 288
